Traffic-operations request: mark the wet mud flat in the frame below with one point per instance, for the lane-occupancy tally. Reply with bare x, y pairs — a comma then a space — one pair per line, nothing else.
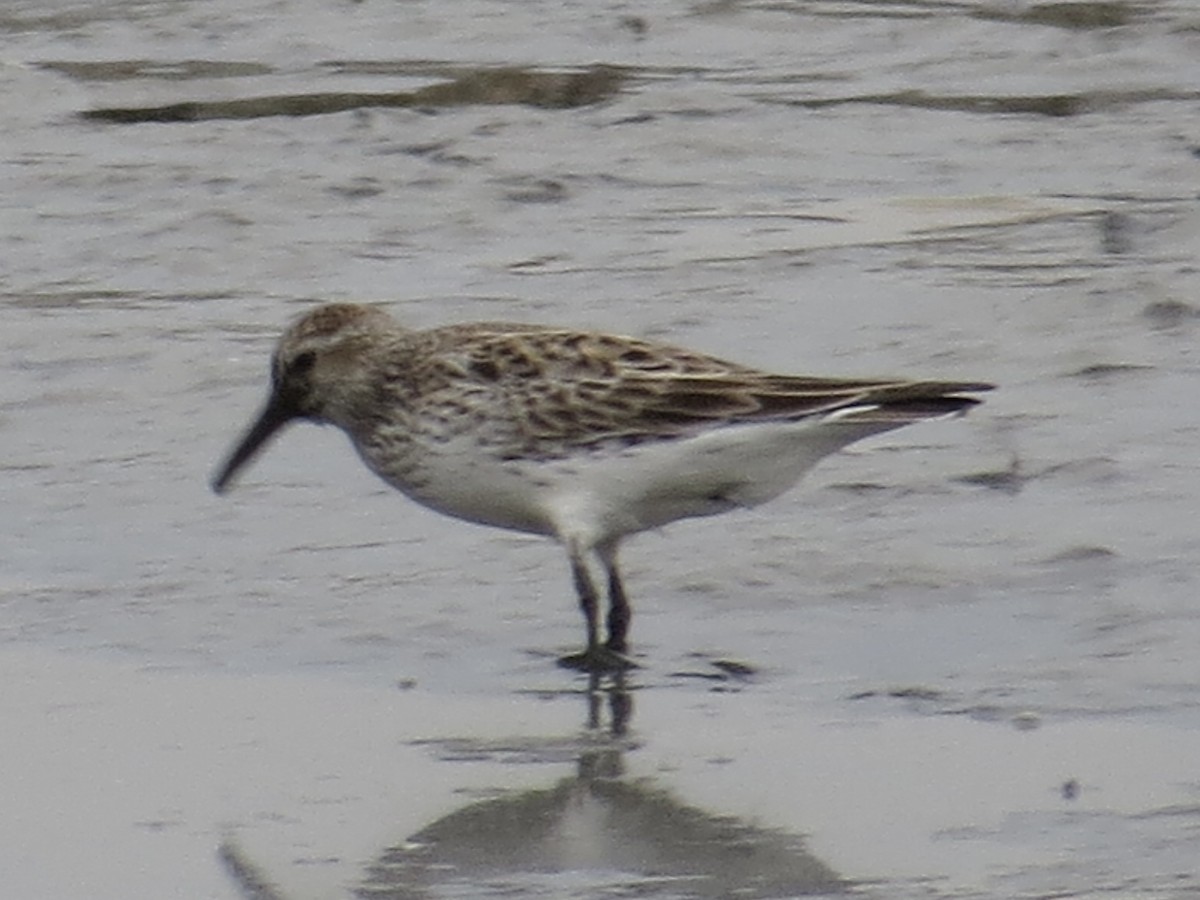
292, 786
548, 90
955, 664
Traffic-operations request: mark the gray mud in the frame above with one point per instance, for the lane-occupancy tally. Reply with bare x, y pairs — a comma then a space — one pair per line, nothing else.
960, 661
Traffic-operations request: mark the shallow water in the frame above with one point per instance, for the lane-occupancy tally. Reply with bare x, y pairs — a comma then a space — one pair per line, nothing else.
973, 642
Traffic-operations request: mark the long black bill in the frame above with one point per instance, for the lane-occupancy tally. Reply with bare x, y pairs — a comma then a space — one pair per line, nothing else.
277, 413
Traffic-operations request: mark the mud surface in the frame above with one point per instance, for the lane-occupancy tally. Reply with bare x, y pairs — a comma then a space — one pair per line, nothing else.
959, 661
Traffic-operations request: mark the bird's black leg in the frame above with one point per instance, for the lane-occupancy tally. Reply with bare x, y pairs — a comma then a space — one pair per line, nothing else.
619, 612
589, 600
600, 657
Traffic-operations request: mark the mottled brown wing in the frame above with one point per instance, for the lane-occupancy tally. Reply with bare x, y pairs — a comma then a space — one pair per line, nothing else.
583, 387
663, 405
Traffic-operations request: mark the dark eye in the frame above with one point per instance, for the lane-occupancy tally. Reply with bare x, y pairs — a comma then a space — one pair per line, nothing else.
303, 362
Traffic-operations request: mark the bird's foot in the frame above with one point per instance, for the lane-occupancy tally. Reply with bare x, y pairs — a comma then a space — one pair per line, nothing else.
598, 659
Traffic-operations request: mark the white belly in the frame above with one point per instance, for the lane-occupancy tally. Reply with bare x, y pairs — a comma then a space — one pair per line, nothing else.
605, 492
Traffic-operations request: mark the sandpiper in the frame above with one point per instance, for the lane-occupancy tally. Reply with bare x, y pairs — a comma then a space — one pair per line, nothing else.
580, 436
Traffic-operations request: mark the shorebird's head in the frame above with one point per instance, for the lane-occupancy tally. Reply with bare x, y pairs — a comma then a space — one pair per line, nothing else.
307, 375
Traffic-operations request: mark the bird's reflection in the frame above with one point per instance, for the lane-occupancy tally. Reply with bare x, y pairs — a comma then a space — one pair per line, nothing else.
615, 691
594, 833
602, 831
